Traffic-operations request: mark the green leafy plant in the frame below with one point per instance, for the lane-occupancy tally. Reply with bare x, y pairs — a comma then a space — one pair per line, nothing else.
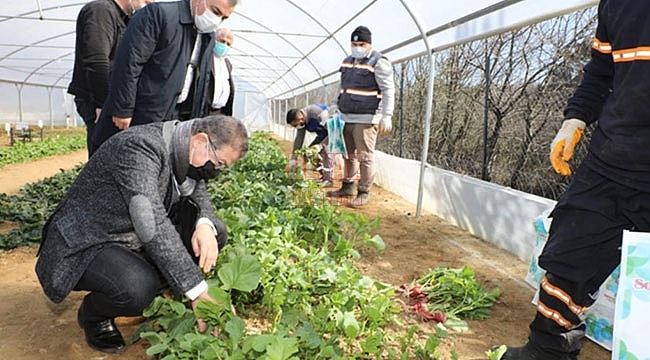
29, 210
496, 353
25, 151
457, 294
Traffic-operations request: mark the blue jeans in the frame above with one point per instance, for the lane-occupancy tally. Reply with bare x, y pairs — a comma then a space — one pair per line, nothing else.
121, 283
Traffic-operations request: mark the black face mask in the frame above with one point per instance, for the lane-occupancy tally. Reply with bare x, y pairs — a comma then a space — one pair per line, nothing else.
205, 172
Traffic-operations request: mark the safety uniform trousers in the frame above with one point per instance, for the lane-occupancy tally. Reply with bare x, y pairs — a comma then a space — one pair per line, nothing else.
582, 250
360, 142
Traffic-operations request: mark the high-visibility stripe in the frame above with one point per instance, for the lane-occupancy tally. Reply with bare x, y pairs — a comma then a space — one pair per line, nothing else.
360, 66
553, 315
600, 46
361, 92
562, 296
632, 54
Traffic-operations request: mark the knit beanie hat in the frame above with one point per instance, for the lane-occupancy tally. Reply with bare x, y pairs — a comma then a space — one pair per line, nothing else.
361, 33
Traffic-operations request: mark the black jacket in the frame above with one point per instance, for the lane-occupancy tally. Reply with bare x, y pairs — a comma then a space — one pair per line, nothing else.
150, 66
226, 109
615, 92
100, 25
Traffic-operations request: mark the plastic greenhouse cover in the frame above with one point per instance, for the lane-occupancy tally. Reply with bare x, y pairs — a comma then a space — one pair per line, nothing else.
282, 47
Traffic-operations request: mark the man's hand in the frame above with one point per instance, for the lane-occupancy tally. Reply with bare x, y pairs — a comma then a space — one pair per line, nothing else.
290, 165
564, 144
202, 324
122, 123
205, 247
385, 125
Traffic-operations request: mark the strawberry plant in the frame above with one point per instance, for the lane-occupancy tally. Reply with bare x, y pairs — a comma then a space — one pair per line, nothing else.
286, 286
31, 207
310, 300
25, 151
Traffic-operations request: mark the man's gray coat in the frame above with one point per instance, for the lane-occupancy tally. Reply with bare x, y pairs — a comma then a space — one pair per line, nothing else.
128, 180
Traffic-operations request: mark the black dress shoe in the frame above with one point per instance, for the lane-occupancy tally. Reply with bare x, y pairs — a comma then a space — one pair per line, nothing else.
104, 336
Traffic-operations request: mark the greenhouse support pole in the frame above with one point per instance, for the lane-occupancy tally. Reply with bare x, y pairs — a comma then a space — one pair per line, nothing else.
19, 87
49, 95
286, 107
273, 109
427, 116
401, 110
486, 112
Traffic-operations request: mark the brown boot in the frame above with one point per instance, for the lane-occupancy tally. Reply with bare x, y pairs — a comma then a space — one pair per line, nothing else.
345, 190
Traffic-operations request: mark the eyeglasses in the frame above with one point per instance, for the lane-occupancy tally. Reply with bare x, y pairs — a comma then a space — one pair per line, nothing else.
221, 164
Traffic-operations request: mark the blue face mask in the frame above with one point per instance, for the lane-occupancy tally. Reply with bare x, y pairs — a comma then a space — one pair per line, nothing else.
220, 49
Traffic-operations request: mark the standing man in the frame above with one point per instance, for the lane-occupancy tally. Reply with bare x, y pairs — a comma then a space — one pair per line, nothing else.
610, 191
112, 235
312, 118
100, 25
221, 89
160, 64
366, 101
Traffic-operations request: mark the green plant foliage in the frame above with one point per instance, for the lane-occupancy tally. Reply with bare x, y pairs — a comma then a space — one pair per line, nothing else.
25, 151
31, 207
288, 269
457, 294
289, 266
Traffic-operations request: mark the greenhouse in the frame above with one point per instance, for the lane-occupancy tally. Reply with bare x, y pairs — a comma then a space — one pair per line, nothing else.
463, 178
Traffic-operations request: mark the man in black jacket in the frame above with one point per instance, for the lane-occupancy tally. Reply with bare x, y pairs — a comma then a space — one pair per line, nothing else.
610, 191
161, 65
100, 25
112, 234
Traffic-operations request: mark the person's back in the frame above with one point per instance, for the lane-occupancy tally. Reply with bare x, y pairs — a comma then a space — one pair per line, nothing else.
99, 28
161, 58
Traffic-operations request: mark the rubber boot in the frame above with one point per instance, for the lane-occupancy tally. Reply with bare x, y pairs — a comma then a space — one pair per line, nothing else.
361, 199
346, 190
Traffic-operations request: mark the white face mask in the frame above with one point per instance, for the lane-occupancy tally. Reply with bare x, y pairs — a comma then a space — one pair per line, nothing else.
358, 52
208, 21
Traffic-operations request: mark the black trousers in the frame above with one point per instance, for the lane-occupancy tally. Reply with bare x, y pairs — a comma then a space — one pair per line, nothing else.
582, 250
121, 282
87, 112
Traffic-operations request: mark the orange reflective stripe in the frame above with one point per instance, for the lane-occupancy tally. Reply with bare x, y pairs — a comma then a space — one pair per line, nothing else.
370, 68
633, 54
600, 46
563, 297
373, 93
366, 66
553, 315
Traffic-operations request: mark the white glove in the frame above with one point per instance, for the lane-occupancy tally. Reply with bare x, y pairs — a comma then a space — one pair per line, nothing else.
385, 125
564, 144
290, 165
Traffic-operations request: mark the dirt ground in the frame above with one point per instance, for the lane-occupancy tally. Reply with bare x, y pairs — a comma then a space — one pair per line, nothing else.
31, 327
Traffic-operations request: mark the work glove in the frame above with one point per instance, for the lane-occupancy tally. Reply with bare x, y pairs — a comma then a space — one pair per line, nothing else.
564, 144
385, 125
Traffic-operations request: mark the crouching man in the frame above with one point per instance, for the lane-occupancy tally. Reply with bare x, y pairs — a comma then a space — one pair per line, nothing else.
112, 234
